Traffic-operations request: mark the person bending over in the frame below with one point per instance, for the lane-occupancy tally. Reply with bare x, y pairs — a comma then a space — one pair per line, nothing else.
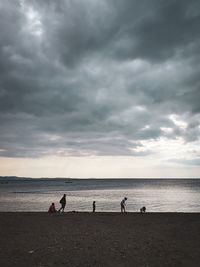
123, 205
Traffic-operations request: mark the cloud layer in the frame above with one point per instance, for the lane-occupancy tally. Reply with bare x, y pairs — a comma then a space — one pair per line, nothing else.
98, 77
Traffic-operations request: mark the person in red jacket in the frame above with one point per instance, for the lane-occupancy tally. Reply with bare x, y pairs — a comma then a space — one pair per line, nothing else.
52, 208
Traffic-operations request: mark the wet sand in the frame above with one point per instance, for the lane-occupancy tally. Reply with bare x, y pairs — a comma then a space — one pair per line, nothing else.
100, 239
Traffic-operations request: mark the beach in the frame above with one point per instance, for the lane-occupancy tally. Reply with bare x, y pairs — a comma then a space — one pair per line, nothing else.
99, 239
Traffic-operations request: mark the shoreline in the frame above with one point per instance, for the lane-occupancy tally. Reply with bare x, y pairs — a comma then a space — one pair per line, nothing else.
99, 239
101, 212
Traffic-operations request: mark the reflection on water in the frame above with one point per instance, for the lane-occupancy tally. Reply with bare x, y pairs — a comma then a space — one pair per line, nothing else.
157, 195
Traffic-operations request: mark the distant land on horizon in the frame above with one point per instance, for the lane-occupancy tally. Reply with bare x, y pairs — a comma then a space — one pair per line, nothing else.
17, 178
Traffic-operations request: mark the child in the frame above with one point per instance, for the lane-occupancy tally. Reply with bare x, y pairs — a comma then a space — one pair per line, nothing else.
143, 210
52, 208
94, 206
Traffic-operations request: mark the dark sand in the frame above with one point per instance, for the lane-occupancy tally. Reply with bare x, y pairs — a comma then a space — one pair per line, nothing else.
100, 239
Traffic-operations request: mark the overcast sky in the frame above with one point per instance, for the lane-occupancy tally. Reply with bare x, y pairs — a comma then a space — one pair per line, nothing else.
100, 88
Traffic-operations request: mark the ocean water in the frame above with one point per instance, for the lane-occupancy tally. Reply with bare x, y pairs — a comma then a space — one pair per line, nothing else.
158, 195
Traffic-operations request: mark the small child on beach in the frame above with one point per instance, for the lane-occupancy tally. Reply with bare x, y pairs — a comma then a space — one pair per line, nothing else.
52, 208
94, 206
143, 210
123, 205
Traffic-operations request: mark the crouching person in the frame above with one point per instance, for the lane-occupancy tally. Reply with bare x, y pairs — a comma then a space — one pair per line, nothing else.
52, 208
143, 210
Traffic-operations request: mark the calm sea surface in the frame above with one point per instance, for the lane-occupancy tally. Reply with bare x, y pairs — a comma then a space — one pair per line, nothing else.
158, 195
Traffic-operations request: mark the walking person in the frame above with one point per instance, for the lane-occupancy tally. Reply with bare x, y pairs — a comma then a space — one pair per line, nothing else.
123, 205
94, 206
63, 203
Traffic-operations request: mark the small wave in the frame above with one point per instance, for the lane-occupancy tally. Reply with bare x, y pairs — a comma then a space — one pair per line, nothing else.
25, 192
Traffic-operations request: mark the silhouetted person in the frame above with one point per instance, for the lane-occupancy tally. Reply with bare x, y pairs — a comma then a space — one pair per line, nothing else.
94, 206
52, 208
143, 210
63, 203
123, 205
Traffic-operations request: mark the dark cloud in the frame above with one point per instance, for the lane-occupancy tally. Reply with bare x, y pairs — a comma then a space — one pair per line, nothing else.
97, 77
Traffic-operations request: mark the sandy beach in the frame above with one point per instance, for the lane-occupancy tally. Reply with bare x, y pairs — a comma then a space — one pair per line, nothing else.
100, 239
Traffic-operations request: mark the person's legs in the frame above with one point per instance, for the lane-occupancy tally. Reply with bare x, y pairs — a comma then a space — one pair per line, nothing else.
63, 207
122, 208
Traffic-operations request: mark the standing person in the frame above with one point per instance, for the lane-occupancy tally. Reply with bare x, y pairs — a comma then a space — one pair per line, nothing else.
94, 206
123, 205
63, 203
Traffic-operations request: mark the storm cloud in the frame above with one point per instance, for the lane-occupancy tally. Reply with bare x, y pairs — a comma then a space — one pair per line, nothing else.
98, 77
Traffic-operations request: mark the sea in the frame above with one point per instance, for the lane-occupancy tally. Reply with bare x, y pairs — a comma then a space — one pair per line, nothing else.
157, 195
